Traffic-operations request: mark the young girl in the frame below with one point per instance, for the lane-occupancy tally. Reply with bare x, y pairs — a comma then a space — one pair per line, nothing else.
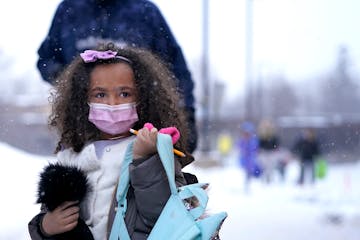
98, 98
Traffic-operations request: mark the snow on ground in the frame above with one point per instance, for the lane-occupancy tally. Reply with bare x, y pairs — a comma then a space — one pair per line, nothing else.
18, 178
330, 210
282, 210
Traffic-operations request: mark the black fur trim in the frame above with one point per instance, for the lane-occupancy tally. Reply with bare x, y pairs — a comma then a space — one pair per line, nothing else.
61, 183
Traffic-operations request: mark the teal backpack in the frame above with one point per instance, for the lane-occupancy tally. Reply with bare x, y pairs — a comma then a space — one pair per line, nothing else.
175, 221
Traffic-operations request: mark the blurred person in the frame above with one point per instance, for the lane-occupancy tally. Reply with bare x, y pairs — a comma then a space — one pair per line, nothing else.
224, 146
284, 158
268, 149
307, 149
83, 24
248, 148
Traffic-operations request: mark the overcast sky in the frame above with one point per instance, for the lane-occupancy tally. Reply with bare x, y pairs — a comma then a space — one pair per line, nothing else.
298, 38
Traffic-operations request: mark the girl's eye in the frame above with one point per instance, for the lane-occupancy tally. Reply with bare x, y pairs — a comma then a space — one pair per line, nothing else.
100, 95
124, 94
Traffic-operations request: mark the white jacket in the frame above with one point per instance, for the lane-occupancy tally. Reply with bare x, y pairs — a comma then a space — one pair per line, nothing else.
101, 162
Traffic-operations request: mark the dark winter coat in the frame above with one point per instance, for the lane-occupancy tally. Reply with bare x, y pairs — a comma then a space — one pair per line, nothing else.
147, 195
82, 24
268, 143
306, 149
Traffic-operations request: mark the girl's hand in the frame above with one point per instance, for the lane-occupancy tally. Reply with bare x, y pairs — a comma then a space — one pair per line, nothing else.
63, 219
145, 143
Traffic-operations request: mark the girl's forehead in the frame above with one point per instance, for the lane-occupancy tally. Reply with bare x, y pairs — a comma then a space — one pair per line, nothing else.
112, 74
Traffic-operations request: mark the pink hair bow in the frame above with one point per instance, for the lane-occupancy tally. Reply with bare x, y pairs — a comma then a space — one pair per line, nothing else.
93, 55
172, 131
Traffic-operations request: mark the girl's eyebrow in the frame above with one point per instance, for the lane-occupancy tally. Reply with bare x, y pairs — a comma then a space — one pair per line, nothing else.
121, 88
97, 89
125, 88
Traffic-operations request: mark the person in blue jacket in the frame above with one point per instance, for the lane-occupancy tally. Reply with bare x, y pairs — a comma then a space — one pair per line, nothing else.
248, 145
84, 24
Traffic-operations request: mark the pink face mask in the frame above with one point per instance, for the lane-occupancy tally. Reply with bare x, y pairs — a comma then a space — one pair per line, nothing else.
113, 119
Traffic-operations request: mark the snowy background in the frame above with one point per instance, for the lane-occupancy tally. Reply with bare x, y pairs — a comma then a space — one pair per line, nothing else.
330, 210
297, 38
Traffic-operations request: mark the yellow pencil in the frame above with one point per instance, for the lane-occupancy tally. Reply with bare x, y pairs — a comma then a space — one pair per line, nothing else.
177, 152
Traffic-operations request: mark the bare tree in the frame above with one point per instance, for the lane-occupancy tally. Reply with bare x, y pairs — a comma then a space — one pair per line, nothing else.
276, 99
339, 90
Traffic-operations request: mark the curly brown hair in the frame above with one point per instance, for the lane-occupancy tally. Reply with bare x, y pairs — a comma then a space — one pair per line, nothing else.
158, 98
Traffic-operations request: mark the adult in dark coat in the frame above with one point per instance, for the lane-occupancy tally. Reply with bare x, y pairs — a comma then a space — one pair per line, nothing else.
83, 24
307, 148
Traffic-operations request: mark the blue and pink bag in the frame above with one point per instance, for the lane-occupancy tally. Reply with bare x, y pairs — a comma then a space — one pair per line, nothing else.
176, 220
